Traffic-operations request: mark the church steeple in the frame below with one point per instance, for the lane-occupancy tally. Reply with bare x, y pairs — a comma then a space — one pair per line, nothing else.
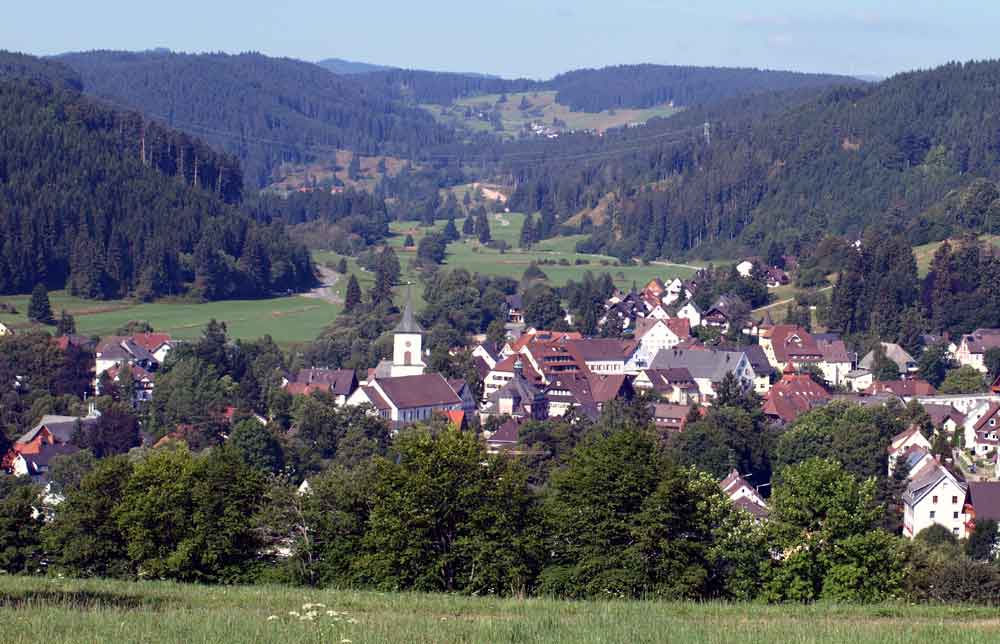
408, 324
407, 342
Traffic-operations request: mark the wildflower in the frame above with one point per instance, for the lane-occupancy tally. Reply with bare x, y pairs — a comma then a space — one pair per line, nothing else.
345, 641
331, 613
312, 606
272, 618
305, 618
293, 613
352, 621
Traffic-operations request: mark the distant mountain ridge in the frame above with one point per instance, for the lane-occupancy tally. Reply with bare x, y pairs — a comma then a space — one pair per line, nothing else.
350, 67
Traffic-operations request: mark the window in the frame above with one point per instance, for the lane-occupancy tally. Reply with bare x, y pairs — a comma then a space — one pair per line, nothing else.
954, 499
933, 499
932, 514
954, 515
954, 530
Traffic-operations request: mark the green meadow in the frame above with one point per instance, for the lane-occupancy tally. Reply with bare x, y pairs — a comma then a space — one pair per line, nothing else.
61, 611
287, 319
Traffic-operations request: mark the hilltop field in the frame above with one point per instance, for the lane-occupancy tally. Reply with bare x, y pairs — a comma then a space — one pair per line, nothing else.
541, 107
58, 611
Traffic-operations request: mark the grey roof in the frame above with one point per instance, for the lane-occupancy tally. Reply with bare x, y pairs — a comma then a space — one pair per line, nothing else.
893, 352
408, 323
920, 487
712, 365
758, 359
62, 427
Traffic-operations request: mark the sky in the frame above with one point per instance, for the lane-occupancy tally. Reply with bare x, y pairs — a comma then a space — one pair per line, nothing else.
525, 38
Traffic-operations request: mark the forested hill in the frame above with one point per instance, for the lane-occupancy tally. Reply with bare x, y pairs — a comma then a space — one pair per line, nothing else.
263, 110
107, 204
596, 90
637, 86
348, 67
882, 155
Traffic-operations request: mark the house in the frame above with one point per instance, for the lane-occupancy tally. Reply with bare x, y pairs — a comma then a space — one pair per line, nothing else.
143, 382
983, 437
902, 388
571, 391
505, 438
655, 289
945, 417
676, 291
488, 352
983, 502
743, 495
972, 348
5, 330
793, 395
530, 336
722, 313
602, 355
669, 417
503, 372
402, 400
515, 309
903, 441
51, 430
762, 369
654, 336
790, 344
707, 367
745, 268
837, 361
339, 382
37, 465
117, 351
895, 353
916, 459
858, 379
690, 312
158, 344
937, 496
776, 277
674, 385
518, 398
607, 387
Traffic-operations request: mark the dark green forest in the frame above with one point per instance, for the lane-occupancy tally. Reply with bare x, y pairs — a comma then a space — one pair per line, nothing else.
889, 155
263, 110
107, 204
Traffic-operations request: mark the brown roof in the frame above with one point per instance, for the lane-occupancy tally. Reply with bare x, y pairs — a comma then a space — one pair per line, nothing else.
792, 343
793, 395
982, 340
600, 349
151, 341
377, 400
424, 390
507, 366
984, 496
340, 381
668, 416
543, 336
608, 387
902, 388
758, 511
990, 413
507, 433
940, 413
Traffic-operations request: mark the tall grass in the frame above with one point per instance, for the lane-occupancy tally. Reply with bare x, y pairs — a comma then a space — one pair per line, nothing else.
57, 611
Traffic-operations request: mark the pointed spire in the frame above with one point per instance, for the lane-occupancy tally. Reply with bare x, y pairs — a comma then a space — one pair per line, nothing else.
408, 323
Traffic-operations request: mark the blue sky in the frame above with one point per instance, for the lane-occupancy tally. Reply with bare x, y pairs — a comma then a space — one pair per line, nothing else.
529, 38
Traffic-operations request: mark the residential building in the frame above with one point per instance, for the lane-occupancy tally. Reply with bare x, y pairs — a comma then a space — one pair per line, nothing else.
896, 354
902, 388
745, 268
602, 355
937, 496
515, 309
722, 313
793, 395
503, 373
983, 502
858, 380
654, 336
972, 348
690, 312
945, 417
505, 438
786, 344
518, 398
675, 385
708, 367
5, 330
983, 437
762, 369
743, 495
903, 441
339, 382
669, 417
32, 451
116, 351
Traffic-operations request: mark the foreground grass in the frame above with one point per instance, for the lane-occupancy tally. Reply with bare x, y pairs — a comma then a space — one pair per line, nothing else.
62, 611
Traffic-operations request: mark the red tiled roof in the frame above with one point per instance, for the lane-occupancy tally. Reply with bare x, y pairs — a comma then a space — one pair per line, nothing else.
793, 343
151, 341
303, 389
607, 387
533, 336
990, 413
793, 395
507, 434
507, 366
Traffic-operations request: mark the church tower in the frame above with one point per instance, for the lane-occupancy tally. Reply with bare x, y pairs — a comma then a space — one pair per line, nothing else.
407, 343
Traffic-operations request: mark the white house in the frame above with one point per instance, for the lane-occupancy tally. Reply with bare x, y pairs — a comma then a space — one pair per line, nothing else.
935, 497
691, 313
5, 330
745, 268
903, 441
972, 348
981, 430
407, 399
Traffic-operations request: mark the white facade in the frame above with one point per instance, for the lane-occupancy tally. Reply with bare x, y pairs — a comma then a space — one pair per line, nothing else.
744, 268
942, 504
690, 313
407, 354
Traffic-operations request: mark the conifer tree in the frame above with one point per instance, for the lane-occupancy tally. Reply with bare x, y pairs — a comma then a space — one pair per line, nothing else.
450, 231
39, 309
66, 324
342, 266
468, 227
353, 295
483, 229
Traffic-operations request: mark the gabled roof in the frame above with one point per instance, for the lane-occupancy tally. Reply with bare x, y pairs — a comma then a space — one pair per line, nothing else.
922, 485
601, 349
984, 496
982, 340
36, 462
61, 427
709, 364
506, 434
151, 341
758, 359
424, 390
793, 343
538, 335
746, 504
941, 413
991, 412
670, 416
608, 387
794, 395
378, 402
507, 366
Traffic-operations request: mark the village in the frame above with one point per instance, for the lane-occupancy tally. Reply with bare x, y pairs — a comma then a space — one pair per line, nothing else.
539, 374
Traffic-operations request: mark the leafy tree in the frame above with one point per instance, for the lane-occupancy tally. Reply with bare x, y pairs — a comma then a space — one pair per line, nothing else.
446, 516
39, 309
68, 470
992, 361
542, 308
66, 324
964, 380
20, 526
982, 543
934, 364
85, 537
256, 445
191, 393
432, 249
352, 296
115, 432
882, 367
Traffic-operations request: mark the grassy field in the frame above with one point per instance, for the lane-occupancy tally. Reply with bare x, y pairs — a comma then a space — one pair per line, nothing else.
52, 611
543, 109
287, 319
471, 255
925, 253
